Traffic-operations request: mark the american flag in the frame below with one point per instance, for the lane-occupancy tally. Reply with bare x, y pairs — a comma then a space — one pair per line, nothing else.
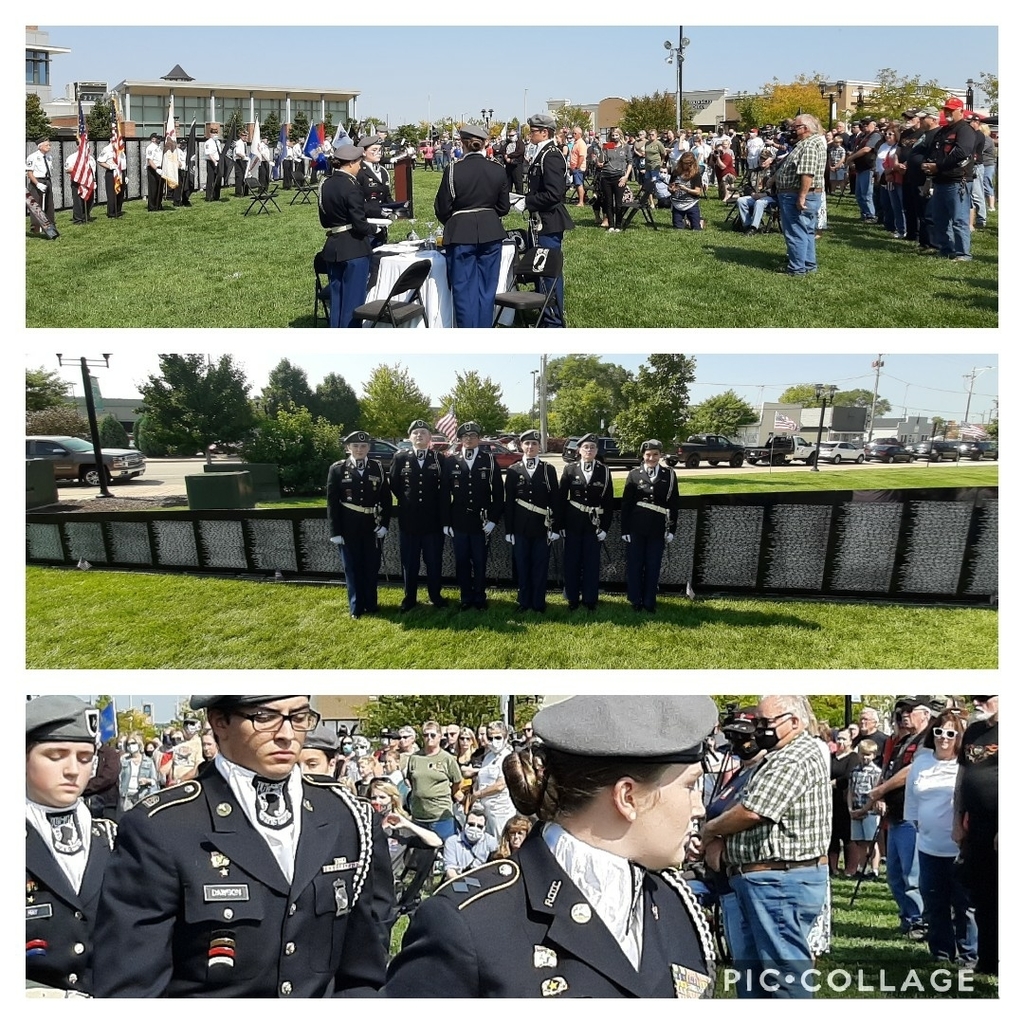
117, 145
449, 425
783, 422
974, 432
82, 173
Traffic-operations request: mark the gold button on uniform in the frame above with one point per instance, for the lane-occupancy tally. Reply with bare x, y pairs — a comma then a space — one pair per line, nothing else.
286, 988
289, 949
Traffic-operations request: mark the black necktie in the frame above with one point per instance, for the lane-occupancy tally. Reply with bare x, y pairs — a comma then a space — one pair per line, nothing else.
67, 836
273, 803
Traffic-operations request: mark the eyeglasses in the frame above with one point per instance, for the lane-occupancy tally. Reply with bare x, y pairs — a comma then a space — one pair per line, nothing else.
765, 722
265, 720
944, 734
499, 737
430, 735
797, 127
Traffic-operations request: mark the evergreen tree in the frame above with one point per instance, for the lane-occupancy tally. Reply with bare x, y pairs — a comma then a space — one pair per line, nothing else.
287, 388
270, 130
336, 402
97, 122
37, 124
300, 127
112, 433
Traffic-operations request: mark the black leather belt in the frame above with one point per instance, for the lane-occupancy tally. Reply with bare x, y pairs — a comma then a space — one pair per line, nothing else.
774, 865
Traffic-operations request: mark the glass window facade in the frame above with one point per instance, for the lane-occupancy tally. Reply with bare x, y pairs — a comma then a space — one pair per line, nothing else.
264, 108
338, 110
192, 108
37, 67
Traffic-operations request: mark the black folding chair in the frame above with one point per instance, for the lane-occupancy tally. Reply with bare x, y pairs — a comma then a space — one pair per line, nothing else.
536, 264
262, 195
395, 309
643, 204
321, 290
304, 192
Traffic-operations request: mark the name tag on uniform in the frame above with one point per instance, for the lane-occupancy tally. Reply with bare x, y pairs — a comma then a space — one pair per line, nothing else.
43, 910
689, 984
225, 893
339, 865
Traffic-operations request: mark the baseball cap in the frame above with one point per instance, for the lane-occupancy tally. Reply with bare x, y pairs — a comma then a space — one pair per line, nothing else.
953, 103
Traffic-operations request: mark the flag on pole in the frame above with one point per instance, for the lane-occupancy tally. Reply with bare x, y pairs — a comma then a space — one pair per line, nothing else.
191, 158
314, 147
255, 159
341, 138
282, 152
170, 163
170, 131
448, 425
108, 721
83, 173
117, 145
974, 432
783, 422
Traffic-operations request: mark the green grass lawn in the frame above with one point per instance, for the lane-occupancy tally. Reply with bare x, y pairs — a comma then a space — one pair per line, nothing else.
209, 266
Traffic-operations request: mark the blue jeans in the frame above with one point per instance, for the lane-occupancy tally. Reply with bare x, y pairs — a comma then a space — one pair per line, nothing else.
771, 948
445, 828
988, 181
901, 867
950, 210
798, 229
553, 317
751, 210
865, 184
952, 932
892, 209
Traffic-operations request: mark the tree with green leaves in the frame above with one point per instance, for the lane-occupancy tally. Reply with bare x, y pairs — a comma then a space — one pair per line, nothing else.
391, 401
336, 402
779, 100
476, 398
44, 389
145, 439
895, 93
97, 122
57, 421
299, 127
37, 124
656, 401
329, 128
270, 130
392, 712
235, 124
302, 448
519, 423
855, 398
287, 388
570, 117
112, 433
409, 132
721, 414
580, 409
584, 391
194, 403
990, 87
655, 111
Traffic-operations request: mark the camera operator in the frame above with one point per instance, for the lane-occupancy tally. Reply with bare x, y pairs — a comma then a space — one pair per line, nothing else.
950, 164
725, 168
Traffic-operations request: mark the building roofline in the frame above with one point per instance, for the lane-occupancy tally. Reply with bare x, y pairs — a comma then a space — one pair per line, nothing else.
47, 48
165, 86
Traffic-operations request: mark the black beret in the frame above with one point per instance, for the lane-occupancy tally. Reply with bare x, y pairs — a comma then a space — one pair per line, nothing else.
60, 717
586, 439
653, 443
669, 729
530, 435
357, 437
199, 701
468, 428
418, 425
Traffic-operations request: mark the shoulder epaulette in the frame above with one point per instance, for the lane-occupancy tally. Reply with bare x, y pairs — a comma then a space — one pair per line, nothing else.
105, 829
175, 796
475, 884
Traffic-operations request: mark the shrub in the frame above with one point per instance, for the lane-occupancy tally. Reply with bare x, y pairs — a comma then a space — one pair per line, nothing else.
112, 434
59, 421
302, 448
146, 441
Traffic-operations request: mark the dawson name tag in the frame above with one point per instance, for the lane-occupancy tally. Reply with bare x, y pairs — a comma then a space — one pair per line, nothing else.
43, 910
225, 893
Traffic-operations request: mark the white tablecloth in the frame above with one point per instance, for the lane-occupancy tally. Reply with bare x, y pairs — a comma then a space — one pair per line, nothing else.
437, 293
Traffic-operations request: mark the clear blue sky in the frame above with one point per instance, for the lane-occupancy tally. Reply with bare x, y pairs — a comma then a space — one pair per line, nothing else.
929, 385
407, 74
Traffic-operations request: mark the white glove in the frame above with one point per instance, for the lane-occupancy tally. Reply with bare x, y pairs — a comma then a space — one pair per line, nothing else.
561, 533
553, 535
42, 186
510, 538
520, 204
340, 541
625, 538
601, 534
381, 533
669, 537
449, 532
488, 528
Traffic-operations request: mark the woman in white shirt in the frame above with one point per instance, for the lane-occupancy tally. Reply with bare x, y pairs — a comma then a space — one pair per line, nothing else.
491, 789
952, 933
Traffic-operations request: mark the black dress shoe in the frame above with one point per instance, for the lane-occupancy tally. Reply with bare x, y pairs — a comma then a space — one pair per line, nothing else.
574, 605
353, 615
638, 607
407, 605
482, 606
441, 602
465, 607
521, 609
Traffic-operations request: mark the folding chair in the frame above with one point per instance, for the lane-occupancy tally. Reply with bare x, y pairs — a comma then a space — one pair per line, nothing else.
398, 311
261, 195
643, 204
536, 263
321, 290
304, 192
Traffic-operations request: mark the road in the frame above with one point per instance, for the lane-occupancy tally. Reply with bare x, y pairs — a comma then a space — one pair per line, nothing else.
165, 477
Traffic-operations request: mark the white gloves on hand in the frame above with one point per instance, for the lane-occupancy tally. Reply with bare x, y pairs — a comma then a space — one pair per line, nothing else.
449, 532
669, 537
625, 538
488, 528
381, 533
601, 534
340, 541
553, 535
520, 204
510, 538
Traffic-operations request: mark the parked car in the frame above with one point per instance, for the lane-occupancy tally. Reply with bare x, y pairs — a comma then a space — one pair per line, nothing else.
781, 450
840, 451
384, 452
711, 448
503, 456
977, 450
439, 442
890, 450
74, 459
936, 451
608, 452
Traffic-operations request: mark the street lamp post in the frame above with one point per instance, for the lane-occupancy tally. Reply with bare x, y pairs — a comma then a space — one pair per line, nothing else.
677, 54
486, 115
970, 94
827, 90
822, 393
860, 98
90, 408
533, 395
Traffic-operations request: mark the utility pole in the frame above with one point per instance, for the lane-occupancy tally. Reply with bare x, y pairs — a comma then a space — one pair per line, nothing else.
542, 399
975, 373
877, 366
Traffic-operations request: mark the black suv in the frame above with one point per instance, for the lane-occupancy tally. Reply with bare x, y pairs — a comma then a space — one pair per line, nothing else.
936, 451
608, 452
888, 449
976, 450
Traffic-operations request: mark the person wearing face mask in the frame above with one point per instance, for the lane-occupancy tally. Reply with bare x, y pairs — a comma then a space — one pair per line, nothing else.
491, 790
774, 845
591, 905
472, 847
976, 825
187, 754
66, 849
139, 776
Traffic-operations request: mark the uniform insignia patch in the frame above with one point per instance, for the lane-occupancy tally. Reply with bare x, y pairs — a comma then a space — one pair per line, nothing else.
223, 810
581, 913
339, 864
67, 837
31, 885
151, 801
218, 860
36, 947
341, 904
689, 984
544, 958
222, 951
554, 987
556, 888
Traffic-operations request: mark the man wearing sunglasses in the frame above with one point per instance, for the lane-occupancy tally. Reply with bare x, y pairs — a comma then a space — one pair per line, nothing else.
251, 880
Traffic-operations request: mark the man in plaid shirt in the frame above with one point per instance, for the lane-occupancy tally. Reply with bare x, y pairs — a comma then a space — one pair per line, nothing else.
774, 846
800, 181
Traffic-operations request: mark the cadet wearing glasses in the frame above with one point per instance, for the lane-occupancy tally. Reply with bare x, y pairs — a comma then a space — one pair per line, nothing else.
251, 881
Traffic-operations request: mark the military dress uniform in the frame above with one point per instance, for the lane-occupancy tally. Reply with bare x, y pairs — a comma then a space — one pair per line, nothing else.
470, 203
471, 498
521, 928
650, 510
375, 181
585, 491
154, 181
532, 514
416, 486
195, 904
347, 248
359, 504
545, 202
212, 149
240, 155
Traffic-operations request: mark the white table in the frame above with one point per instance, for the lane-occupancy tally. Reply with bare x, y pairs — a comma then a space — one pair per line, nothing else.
437, 293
